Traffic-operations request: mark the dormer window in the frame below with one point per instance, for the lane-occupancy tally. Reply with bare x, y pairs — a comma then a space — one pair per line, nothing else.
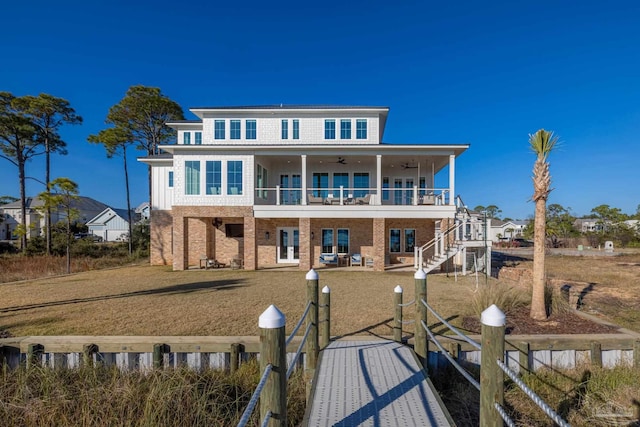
329, 129
186, 138
219, 129
251, 129
234, 130
345, 129
198, 138
361, 129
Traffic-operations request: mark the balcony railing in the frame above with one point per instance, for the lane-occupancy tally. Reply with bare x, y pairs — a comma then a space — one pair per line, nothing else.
346, 196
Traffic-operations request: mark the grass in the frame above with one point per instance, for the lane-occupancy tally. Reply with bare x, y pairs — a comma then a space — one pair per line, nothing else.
107, 396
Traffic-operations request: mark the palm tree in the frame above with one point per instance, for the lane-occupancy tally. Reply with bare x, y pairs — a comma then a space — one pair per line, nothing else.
542, 142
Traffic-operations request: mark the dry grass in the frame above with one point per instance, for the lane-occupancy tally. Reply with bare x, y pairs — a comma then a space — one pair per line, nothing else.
145, 300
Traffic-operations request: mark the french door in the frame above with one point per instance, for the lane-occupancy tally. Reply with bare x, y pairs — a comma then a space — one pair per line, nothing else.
288, 245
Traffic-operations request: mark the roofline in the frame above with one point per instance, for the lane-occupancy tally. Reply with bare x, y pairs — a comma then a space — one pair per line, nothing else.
296, 107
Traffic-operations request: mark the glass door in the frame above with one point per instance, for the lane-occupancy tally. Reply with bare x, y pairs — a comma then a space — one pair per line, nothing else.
288, 245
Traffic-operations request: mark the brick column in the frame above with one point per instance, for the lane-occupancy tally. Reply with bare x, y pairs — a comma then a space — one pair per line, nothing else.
250, 258
180, 242
304, 227
378, 244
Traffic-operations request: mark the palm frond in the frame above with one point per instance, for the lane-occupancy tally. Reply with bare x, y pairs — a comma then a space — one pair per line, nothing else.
542, 142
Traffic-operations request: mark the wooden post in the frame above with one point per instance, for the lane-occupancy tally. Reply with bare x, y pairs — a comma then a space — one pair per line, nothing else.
34, 354
420, 345
234, 357
158, 356
88, 350
636, 354
491, 376
311, 347
596, 354
523, 356
397, 323
325, 323
273, 351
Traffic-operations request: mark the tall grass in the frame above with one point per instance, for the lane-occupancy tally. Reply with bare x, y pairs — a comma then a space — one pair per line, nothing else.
507, 298
108, 396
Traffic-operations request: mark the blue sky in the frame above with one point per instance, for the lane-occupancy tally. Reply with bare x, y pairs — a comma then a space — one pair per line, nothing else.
483, 73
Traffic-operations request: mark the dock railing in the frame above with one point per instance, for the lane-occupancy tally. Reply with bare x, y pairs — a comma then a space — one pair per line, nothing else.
492, 347
272, 388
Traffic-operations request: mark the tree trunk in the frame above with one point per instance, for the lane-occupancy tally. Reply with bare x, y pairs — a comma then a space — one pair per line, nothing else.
23, 201
68, 238
126, 181
47, 179
538, 309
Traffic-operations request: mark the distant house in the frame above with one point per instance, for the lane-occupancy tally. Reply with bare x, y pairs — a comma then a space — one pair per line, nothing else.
86, 206
144, 211
111, 224
506, 230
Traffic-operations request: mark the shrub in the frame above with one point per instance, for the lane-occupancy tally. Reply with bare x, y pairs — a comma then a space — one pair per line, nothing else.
507, 298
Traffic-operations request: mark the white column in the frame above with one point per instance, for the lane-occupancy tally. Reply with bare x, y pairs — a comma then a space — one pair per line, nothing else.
452, 179
303, 179
378, 179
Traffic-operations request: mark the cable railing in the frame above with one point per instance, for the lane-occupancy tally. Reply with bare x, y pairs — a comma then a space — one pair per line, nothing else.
492, 366
271, 391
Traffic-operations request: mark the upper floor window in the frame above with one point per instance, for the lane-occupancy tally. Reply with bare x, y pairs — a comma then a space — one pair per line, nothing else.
186, 138
234, 129
251, 129
361, 129
296, 129
214, 177
234, 177
285, 129
345, 129
170, 179
198, 136
192, 177
329, 129
219, 129
361, 184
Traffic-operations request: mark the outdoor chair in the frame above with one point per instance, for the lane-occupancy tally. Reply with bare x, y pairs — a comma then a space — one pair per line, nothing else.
329, 259
315, 200
356, 259
363, 200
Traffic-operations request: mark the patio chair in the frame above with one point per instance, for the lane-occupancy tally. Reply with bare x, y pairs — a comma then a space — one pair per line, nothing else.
314, 200
356, 259
236, 263
363, 200
329, 259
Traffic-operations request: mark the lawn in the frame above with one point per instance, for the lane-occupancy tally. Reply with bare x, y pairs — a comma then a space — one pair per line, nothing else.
146, 300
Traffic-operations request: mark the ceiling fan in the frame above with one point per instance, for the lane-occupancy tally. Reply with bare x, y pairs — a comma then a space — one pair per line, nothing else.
408, 166
342, 161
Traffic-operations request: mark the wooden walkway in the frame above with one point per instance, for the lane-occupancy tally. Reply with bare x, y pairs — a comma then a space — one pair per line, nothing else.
373, 383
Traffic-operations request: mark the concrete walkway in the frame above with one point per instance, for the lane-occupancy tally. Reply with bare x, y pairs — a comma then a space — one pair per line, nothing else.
373, 383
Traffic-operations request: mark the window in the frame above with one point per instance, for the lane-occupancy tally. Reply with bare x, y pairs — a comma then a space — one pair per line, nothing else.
234, 177
320, 184
214, 177
251, 129
361, 129
340, 179
296, 129
394, 240
170, 179
361, 181
186, 138
219, 129
343, 240
385, 186
409, 239
329, 129
408, 195
192, 177
397, 193
285, 129
345, 129
234, 129
198, 138
327, 240
423, 186
260, 192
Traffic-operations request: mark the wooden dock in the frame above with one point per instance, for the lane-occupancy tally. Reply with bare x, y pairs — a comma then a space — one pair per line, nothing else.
373, 383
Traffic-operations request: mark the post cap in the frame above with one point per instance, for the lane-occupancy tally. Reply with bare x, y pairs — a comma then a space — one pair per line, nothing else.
397, 289
420, 274
493, 316
271, 318
326, 290
312, 275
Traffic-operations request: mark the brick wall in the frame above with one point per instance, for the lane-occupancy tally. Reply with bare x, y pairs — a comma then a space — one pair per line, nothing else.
161, 230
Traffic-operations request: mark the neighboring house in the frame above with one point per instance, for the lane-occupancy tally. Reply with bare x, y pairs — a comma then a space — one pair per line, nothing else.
586, 225
506, 230
111, 224
86, 206
143, 211
286, 184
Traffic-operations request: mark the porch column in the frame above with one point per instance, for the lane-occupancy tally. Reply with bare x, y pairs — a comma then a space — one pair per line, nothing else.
306, 246
303, 179
378, 198
250, 258
452, 179
180, 242
378, 244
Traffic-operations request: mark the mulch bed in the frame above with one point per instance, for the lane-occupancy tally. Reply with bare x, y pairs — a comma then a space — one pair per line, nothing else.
520, 323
